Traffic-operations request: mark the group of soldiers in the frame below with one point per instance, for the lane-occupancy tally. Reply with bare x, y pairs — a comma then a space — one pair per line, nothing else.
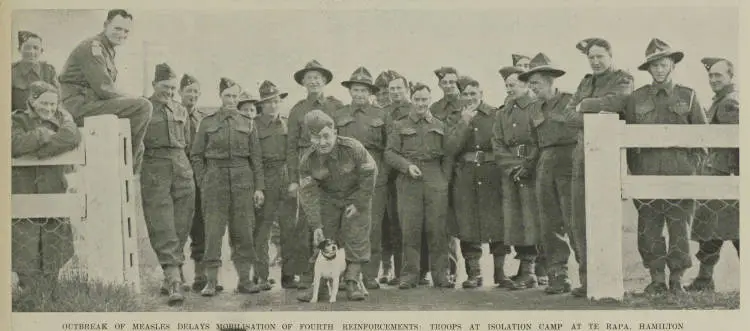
397, 180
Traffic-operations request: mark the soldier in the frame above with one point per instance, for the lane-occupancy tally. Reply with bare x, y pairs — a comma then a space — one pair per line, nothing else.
521, 61
664, 102
343, 174
272, 133
41, 130
603, 90
417, 149
87, 82
314, 77
383, 97
167, 186
516, 151
388, 242
717, 221
554, 169
29, 69
246, 104
226, 158
477, 187
366, 123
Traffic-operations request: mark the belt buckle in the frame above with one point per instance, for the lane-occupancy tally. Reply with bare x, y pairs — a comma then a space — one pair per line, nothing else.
521, 150
479, 157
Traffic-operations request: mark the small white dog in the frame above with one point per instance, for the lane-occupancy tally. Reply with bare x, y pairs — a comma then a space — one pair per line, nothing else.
330, 265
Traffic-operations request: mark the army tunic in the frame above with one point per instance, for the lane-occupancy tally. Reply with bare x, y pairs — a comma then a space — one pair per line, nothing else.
278, 206
24, 73
167, 184
664, 104
719, 219
366, 124
554, 173
345, 176
422, 202
87, 86
41, 246
197, 233
226, 158
514, 142
603, 92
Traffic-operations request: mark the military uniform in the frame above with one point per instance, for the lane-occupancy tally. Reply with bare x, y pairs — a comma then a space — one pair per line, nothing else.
40, 246
24, 73
226, 157
87, 84
422, 201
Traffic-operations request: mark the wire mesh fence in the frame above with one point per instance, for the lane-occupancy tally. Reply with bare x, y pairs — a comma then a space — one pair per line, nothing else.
40, 247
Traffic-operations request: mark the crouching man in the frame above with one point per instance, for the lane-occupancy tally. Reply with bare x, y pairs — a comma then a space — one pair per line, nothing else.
339, 174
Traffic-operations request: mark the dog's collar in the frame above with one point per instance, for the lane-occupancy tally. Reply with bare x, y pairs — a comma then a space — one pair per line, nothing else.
331, 258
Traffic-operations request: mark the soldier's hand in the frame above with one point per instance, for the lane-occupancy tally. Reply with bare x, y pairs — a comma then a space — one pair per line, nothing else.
292, 190
467, 114
258, 198
318, 237
46, 131
350, 211
414, 171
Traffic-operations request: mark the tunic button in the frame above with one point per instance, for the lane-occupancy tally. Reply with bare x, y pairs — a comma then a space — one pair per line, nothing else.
476, 129
514, 125
477, 146
479, 183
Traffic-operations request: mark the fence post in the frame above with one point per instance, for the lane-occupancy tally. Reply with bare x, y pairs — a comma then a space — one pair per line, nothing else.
129, 201
602, 142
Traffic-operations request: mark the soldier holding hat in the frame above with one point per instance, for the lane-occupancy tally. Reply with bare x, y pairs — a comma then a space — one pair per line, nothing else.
554, 169
717, 221
167, 184
516, 151
29, 69
314, 77
226, 158
42, 129
87, 82
664, 102
603, 90
278, 206
366, 123
343, 174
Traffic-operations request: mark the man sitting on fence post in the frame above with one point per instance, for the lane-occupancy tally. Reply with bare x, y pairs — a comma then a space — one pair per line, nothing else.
718, 220
87, 82
42, 245
664, 102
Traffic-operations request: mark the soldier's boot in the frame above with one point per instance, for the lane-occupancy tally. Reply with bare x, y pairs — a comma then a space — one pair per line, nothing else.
658, 285
559, 283
387, 268
540, 270
353, 292
351, 286
675, 282
307, 294
370, 283
244, 285
288, 281
581, 292
395, 281
501, 279
176, 296
474, 278
212, 275
527, 278
705, 280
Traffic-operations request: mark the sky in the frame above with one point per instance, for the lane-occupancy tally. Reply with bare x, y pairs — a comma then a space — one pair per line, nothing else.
250, 46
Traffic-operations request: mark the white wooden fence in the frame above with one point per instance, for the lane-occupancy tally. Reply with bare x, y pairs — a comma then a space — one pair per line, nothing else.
103, 209
608, 186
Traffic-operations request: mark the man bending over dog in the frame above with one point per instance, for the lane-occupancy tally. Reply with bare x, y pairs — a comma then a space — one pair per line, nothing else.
338, 172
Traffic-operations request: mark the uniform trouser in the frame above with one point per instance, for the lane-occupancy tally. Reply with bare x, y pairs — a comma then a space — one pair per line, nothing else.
710, 250
40, 247
652, 216
227, 194
422, 206
472, 252
353, 232
393, 235
137, 110
379, 201
197, 231
276, 205
553, 189
577, 229
168, 192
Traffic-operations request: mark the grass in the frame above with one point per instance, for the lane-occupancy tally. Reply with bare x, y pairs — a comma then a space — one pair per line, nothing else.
74, 295
724, 300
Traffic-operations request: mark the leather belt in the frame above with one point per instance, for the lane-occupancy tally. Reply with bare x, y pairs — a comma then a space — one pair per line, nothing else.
478, 157
228, 163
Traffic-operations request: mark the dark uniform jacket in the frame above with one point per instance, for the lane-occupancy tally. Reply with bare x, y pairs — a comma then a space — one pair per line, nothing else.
169, 128
23, 74
298, 137
725, 109
366, 124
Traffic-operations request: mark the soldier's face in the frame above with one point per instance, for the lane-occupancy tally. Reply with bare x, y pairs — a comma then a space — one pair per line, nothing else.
360, 94
249, 108
397, 90
719, 77
540, 85
164, 90
514, 87
449, 84
383, 97
472, 96
117, 29
31, 50
324, 140
421, 100
229, 97
270, 106
523, 64
45, 105
190, 95
313, 81
599, 59
661, 69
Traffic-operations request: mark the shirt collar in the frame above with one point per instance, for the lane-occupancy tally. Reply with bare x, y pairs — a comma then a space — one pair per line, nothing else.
667, 87
523, 101
416, 118
106, 43
726, 90
484, 108
267, 120
320, 97
224, 113
359, 107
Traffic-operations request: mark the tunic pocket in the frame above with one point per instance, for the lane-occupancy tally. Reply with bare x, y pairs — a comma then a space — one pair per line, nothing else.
434, 139
409, 140
643, 111
376, 132
241, 139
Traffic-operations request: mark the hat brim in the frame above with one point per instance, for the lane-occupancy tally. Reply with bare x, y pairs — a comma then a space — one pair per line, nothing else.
507, 71
552, 71
301, 74
242, 102
676, 56
348, 84
280, 95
